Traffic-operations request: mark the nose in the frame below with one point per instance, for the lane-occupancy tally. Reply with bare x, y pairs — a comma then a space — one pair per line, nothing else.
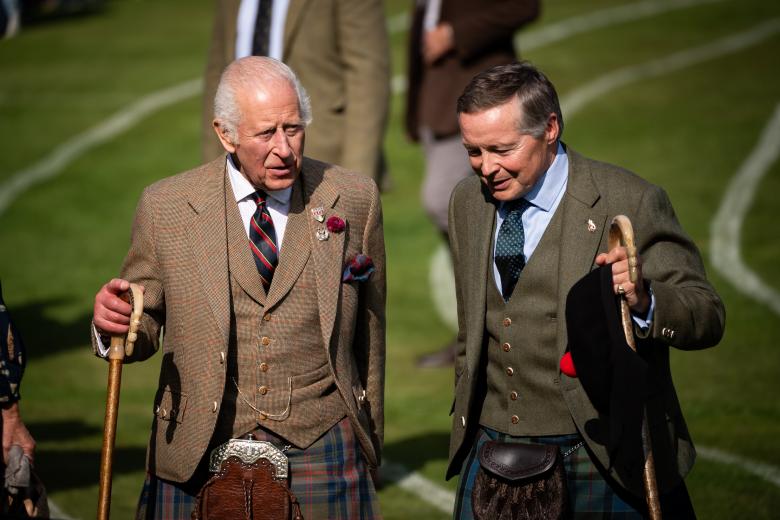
489, 164
281, 144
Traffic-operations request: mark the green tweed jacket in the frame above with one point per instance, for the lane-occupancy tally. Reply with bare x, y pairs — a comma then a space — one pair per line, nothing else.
688, 314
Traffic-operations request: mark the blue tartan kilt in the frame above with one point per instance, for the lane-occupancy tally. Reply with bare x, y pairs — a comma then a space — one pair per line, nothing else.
590, 496
329, 478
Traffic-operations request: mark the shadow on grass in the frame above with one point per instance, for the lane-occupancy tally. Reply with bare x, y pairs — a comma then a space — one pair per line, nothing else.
415, 452
45, 431
62, 470
43, 335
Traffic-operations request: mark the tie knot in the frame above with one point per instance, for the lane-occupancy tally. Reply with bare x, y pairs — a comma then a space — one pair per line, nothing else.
517, 206
260, 197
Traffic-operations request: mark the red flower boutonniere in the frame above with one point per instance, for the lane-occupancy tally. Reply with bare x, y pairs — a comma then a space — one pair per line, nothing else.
335, 224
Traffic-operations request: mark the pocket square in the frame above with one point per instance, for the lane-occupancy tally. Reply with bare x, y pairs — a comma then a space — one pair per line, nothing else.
358, 269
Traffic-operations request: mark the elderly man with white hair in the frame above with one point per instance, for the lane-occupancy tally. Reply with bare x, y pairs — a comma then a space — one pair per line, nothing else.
264, 282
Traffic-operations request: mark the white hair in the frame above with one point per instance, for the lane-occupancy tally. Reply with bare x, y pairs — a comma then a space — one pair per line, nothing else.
248, 73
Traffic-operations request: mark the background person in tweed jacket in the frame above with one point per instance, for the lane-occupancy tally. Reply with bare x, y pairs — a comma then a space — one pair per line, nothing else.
299, 363
512, 327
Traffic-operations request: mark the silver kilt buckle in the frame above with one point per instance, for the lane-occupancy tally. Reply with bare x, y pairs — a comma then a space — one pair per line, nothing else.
249, 451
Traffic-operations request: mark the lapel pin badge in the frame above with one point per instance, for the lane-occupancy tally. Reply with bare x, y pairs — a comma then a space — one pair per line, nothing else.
321, 234
317, 214
591, 226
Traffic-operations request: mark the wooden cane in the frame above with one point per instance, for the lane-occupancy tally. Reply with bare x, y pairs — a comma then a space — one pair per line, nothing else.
120, 346
621, 233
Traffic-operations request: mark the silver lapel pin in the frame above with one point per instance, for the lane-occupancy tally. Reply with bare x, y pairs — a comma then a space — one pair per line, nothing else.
321, 234
591, 226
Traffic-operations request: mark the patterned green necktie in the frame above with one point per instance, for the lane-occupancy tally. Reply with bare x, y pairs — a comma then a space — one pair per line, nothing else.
509, 257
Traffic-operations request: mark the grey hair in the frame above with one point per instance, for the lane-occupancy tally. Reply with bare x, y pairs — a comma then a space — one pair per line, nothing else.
246, 74
499, 84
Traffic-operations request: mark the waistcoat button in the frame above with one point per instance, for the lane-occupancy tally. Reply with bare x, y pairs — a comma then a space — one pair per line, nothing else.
507, 347
513, 396
510, 371
265, 341
515, 419
263, 390
507, 322
264, 367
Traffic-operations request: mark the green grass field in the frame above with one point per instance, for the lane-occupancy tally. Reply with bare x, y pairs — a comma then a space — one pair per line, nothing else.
688, 129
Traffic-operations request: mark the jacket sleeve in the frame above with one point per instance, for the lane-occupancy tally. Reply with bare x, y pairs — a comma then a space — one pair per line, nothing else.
688, 312
476, 33
365, 53
141, 266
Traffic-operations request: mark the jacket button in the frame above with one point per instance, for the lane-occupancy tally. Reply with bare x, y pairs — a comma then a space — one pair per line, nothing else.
265, 341
263, 390
510, 371
515, 419
214, 407
264, 367
222, 358
463, 421
513, 396
507, 322
507, 347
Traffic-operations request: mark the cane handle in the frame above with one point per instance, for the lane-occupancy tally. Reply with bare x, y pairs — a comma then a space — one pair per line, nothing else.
621, 233
122, 344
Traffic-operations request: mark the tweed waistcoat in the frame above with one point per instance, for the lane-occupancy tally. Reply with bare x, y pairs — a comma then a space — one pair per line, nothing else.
522, 357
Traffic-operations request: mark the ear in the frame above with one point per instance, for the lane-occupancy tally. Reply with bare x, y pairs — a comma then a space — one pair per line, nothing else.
224, 138
552, 130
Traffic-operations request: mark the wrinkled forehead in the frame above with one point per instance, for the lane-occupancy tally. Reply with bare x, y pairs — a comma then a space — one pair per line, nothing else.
269, 100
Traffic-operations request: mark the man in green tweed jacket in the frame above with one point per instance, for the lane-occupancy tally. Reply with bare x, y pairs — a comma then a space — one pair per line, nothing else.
531, 222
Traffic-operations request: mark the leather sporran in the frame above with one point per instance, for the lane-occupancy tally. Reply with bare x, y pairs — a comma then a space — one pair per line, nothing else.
519, 481
250, 483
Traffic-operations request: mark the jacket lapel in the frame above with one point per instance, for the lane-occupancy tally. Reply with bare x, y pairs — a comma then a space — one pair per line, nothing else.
483, 213
579, 245
241, 264
295, 250
208, 241
327, 255
292, 24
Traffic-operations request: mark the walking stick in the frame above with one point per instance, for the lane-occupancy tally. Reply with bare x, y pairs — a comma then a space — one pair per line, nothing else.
621, 233
121, 345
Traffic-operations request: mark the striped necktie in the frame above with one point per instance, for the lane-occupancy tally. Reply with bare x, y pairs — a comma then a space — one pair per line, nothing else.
262, 240
510, 242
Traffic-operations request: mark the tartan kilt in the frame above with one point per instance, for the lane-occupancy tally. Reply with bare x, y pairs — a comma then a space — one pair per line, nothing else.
329, 478
589, 494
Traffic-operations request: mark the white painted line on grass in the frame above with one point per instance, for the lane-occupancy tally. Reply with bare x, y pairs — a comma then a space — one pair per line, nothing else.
555, 32
765, 471
56, 513
439, 497
575, 101
727, 224
60, 157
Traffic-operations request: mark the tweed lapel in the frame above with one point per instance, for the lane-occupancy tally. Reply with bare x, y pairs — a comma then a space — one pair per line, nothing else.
481, 211
327, 255
292, 24
208, 241
579, 245
241, 264
296, 248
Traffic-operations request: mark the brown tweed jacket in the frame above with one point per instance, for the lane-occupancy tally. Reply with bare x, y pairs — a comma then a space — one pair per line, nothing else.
179, 253
685, 303
340, 52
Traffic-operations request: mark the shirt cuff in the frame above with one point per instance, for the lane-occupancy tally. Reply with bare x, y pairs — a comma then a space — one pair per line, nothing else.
101, 349
645, 322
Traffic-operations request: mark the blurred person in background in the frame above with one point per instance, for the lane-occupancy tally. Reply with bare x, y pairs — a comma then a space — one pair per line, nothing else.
339, 50
9, 18
265, 270
532, 222
449, 42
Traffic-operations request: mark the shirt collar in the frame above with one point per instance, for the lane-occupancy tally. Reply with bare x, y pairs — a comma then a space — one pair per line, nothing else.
546, 190
242, 188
